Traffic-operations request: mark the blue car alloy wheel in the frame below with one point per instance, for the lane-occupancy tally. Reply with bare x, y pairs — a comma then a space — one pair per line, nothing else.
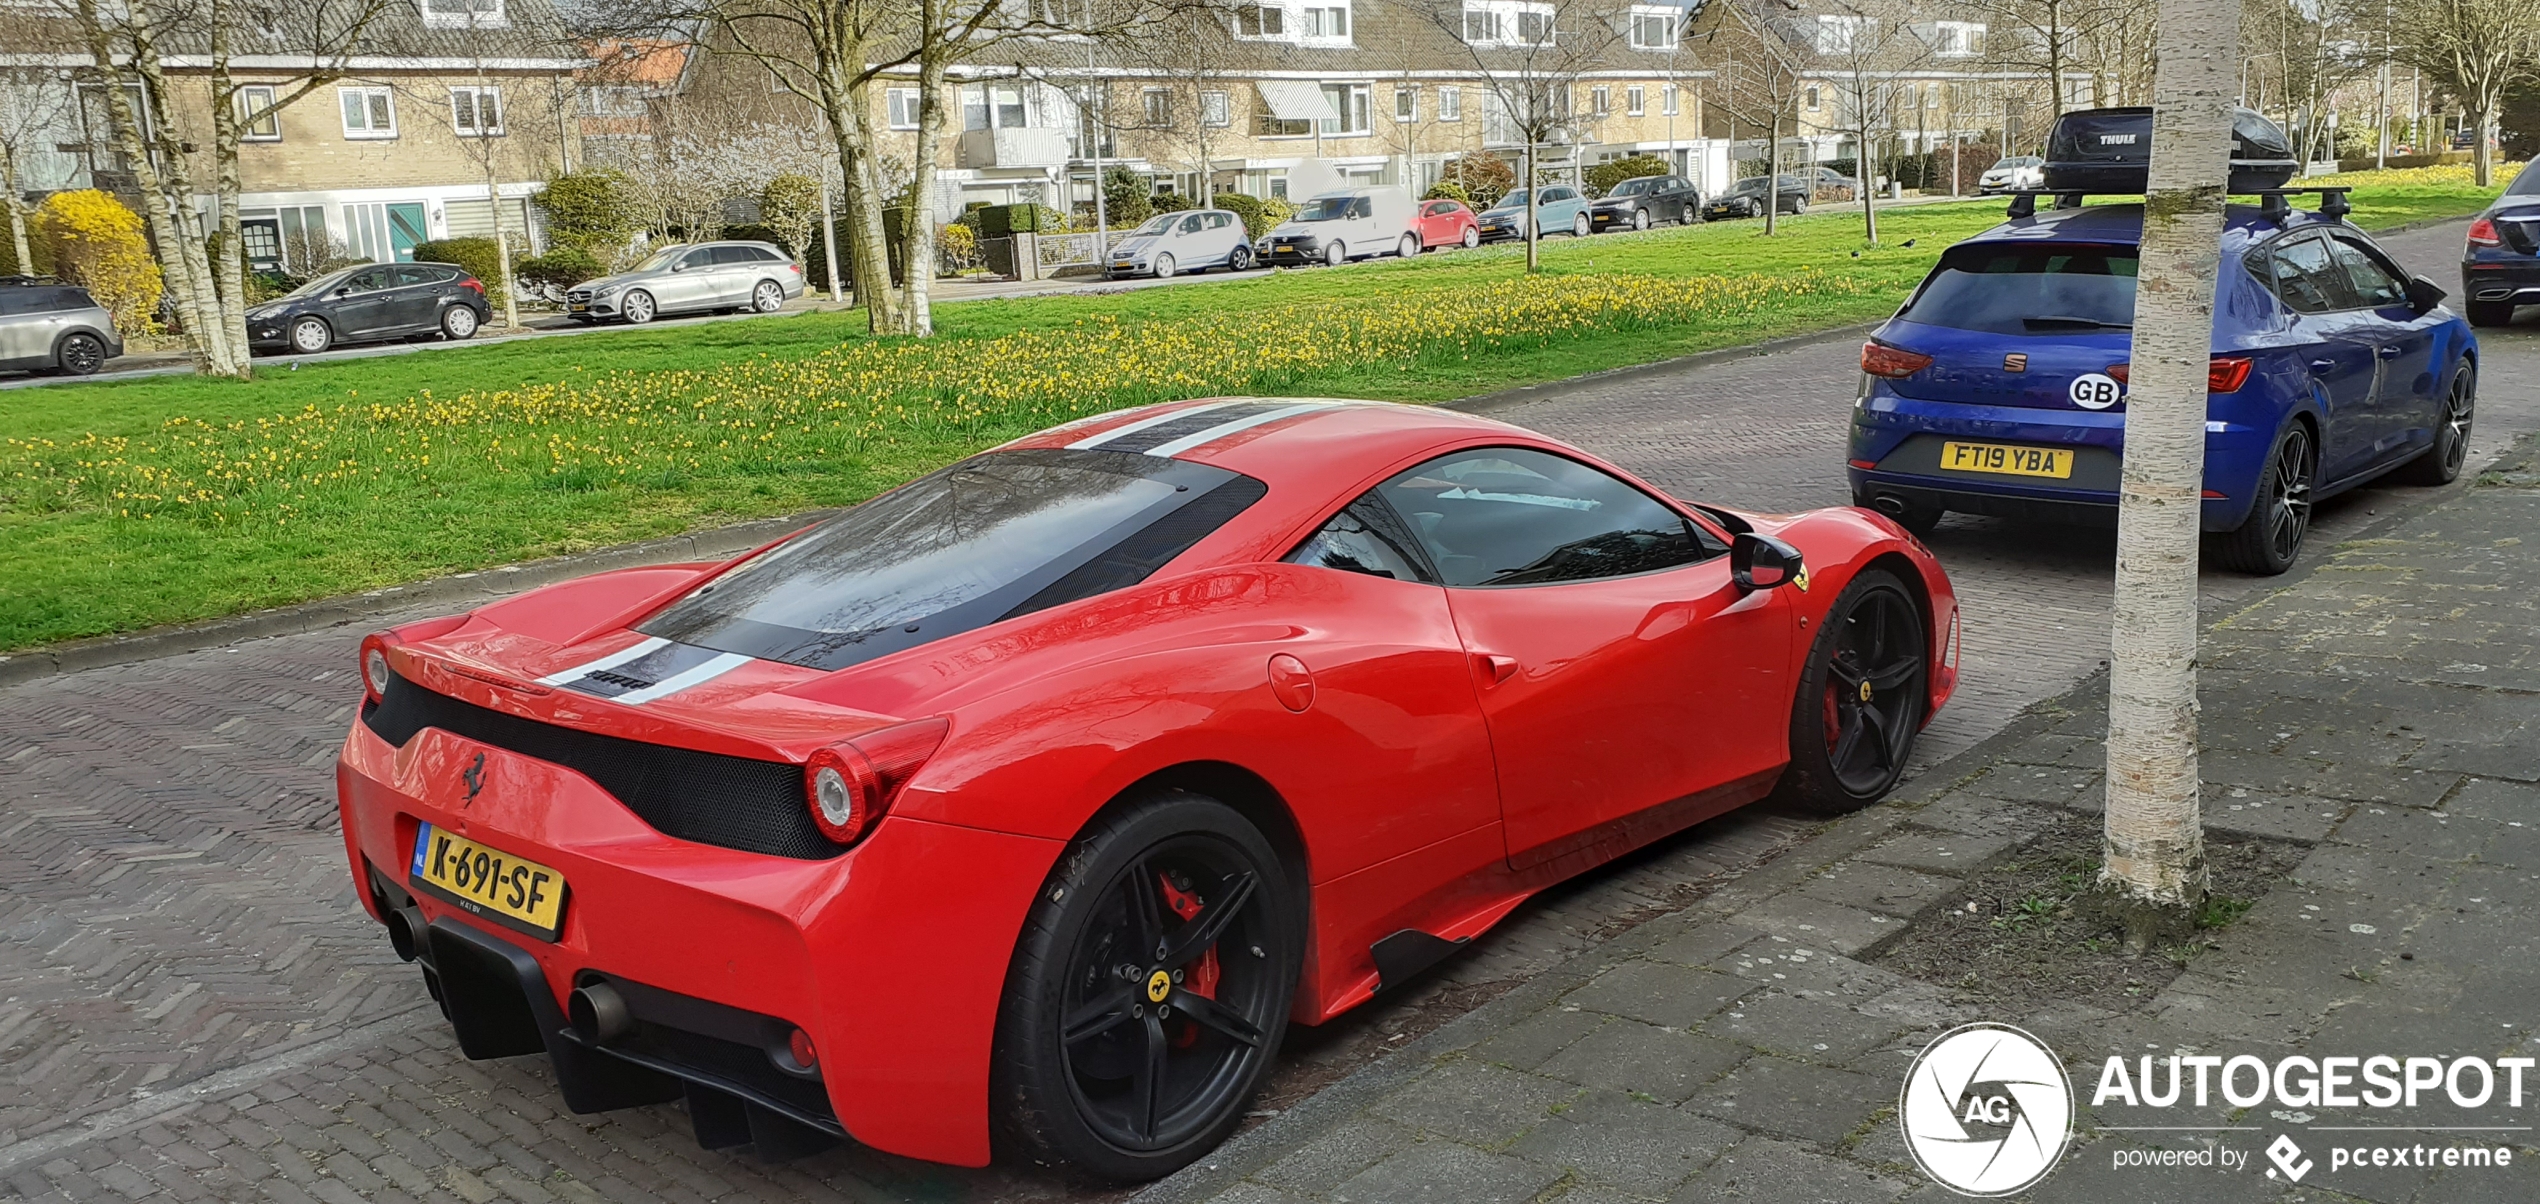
2000, 387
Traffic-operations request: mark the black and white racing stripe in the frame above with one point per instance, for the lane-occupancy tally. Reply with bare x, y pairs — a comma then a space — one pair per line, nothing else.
646, 671
1173, 433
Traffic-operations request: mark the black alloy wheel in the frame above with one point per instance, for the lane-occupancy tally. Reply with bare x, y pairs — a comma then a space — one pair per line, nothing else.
80, 355
2270, 539
2440, 463
1861, 698
1149, 991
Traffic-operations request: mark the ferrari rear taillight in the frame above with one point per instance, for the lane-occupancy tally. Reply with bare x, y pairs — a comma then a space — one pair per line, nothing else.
1879, 359
375, 667
2482, 233
849, 785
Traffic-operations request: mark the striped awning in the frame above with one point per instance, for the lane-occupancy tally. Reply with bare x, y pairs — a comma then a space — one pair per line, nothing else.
1294, 100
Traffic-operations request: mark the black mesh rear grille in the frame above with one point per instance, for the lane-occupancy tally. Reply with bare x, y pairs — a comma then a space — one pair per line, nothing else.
732, 802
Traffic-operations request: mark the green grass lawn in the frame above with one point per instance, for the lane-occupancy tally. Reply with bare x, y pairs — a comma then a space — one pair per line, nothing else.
132, 504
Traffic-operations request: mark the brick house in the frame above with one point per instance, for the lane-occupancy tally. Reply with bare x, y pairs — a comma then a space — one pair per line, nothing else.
395, 153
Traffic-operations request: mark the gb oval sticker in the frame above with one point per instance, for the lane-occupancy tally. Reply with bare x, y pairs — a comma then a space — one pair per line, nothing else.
2095, 391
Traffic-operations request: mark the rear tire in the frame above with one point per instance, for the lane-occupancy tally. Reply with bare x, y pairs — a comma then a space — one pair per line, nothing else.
458, 323
1579, 226
768, 297
1239, 259
2270, 539
2490, 313
1143, 1090
1408, 247
1861, 698
80, 355
2441, 463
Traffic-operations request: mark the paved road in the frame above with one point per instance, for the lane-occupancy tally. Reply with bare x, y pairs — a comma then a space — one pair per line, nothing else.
191, 1002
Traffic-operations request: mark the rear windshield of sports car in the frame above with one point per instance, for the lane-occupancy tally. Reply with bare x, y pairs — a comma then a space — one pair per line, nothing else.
2044, 289
990, 538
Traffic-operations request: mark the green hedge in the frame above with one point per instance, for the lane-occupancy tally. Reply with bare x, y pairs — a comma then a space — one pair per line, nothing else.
479, 256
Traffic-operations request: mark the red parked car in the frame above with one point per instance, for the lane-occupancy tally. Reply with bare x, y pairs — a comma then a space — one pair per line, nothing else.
1445, 223
1039, 795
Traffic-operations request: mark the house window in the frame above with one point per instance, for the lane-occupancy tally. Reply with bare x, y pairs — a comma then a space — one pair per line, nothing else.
1483, 26
1811, 101
476, 112
1327, 22
1838, 34
1534, 28
1958, 38
1406, 105
985, 105
1214, 110
1450, 104
1635, 100
464, 14
1261, 21
1667, 100
1909, 97
1279, 185
368, 112
1653, 30
1350, 102
1158, 108
1600, 101
903, 102
258, 120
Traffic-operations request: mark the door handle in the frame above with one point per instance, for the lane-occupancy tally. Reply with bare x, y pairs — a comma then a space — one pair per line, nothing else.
2323, 365
2391, 352
1494, 667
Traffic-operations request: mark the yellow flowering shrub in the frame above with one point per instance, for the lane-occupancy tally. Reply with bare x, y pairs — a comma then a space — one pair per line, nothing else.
97, 243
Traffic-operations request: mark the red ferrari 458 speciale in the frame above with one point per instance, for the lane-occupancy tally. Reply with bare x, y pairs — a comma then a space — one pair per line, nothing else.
1022, 807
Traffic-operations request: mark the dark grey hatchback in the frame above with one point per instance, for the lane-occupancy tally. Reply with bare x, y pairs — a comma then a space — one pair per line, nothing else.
373, 301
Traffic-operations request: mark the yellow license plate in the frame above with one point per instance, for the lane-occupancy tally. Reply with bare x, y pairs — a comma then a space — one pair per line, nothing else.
2007, 459
512, 891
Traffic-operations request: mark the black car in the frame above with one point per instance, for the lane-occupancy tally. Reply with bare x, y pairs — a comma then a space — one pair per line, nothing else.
1640, 203
1746, 199
2500, 268
49, 326
373, 301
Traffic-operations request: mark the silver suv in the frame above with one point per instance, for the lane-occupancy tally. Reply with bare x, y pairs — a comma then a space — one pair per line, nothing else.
688, 279
48, 326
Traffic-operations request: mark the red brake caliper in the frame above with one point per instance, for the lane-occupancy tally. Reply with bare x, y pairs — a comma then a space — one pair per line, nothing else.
1202, 980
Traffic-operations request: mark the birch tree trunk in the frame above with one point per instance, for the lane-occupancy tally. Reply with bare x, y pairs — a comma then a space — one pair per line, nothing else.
176, 267
2154, 871
868, 245
11, 201
231, 271
935, 104
221, 356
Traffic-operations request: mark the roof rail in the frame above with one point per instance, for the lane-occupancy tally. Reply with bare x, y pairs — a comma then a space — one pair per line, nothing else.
2272, 202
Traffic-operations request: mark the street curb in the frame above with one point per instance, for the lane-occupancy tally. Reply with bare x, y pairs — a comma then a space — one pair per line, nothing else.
1840, 839
1486, 403
456, 592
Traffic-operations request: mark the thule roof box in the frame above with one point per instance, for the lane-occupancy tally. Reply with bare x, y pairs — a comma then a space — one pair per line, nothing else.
2110, 151
2273, 203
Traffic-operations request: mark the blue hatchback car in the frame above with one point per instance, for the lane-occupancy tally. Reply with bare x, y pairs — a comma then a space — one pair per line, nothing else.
2000, 387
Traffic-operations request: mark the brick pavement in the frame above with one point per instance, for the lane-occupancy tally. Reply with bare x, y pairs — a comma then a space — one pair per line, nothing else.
2382, 713
185, 953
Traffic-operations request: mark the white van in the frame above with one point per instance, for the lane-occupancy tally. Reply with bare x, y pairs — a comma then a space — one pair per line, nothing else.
1353, 223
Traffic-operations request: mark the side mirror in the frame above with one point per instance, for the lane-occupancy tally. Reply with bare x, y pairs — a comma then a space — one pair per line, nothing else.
2424, 294
1763, 562
680, 266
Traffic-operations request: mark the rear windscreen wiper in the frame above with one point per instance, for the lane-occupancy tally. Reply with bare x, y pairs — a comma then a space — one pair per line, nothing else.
2073, 324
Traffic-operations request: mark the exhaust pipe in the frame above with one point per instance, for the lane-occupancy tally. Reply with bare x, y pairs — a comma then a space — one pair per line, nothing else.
408, 933
1888, 504
599, 1013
